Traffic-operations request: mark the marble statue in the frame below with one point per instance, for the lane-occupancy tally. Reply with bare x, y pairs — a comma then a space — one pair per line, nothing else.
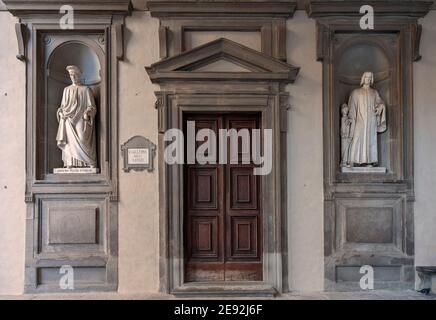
362, 119
345, 134
76, 117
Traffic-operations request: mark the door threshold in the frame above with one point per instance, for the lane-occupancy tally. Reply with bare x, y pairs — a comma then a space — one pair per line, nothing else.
220, 289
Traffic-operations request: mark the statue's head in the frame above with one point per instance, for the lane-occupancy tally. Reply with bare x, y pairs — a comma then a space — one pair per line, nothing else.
75, 74
345, 109
367, 78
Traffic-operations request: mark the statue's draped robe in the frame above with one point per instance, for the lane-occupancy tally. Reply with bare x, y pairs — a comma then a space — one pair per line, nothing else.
368, 115
345, 139
76, 136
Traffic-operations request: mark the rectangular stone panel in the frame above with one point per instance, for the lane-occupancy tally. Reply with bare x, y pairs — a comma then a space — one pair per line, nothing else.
369, 225
52, 275
381, 273
73, 225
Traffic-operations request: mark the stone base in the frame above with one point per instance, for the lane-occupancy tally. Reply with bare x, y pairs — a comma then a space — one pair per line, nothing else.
363, 169
75, 170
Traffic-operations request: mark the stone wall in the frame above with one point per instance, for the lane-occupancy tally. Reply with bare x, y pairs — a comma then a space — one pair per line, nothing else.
138, 207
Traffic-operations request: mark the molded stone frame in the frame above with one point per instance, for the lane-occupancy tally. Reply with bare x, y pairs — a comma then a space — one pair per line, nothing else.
266, 17
259, 90
359, 208
89, 243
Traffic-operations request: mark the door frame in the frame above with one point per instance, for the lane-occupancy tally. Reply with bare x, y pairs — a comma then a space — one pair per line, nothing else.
271, 103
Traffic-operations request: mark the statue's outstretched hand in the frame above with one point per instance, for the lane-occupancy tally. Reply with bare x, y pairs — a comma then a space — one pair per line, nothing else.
60, 114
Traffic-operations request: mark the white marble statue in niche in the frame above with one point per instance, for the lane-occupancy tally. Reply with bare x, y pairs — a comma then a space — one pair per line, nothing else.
76, 131
362, 119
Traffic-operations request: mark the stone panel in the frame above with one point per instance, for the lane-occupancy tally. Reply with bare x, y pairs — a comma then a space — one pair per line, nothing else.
369, 225
73, 226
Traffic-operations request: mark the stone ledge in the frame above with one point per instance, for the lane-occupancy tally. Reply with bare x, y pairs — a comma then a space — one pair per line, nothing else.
363, 295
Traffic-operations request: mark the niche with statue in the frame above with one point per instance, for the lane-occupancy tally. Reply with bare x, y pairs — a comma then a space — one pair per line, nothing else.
368, 140
366, 108
73, 105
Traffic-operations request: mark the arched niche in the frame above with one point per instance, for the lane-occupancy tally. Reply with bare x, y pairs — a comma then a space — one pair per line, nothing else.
86, 53
355, 55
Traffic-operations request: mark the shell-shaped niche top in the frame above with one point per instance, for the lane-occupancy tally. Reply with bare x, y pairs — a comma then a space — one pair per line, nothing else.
78, 54
360, 57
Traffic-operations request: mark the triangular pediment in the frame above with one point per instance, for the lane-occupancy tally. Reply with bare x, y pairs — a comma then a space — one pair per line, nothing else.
222, 59
221, 65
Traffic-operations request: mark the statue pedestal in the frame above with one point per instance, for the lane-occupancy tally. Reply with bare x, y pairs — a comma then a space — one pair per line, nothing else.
75, 170
363, 170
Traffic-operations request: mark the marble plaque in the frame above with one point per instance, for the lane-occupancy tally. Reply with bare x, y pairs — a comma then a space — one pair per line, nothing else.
138, 156
75, 170
138, 153
364, 170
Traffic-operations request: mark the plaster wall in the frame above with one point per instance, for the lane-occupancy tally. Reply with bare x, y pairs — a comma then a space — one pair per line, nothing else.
305, 159
12, 157
139, 199
425, 148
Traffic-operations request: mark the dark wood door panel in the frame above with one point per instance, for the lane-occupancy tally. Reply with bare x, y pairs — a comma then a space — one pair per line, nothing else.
223, 210
243, 240
242, 189
203, 189
203, 242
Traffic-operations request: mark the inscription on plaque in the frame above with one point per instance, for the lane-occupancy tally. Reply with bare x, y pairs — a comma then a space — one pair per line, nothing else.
138, 153
137, 156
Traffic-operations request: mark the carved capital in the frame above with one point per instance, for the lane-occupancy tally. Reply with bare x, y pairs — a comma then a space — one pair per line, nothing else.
119, 42
322, 41
160, 105
416, 40
20, 30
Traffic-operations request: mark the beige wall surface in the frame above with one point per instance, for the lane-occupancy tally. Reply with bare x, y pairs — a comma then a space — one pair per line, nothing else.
305, 159
12, 167
425, 145
138, 207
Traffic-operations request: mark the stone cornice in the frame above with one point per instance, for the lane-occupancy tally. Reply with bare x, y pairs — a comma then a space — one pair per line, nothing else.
202, 8
26, 7
350, 8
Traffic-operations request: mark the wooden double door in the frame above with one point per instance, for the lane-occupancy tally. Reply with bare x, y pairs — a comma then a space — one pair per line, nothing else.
222, 214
